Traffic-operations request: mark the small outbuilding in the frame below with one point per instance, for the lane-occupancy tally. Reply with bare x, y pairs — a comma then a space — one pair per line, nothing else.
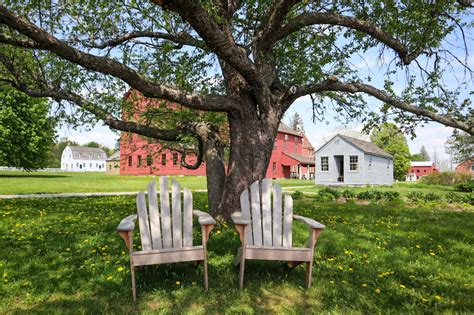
346, 160
112, 164
83, 159
419, 169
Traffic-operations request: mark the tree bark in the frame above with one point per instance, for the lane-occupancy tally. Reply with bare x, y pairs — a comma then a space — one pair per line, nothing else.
251, 145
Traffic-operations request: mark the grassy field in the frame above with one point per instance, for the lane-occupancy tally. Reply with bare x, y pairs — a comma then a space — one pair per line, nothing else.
64, 256
16, 182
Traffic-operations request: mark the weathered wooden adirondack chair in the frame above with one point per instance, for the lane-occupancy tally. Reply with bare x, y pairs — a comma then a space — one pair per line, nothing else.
166, 236
267, 234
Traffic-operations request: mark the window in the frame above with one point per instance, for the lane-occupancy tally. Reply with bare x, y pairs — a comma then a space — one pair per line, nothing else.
275, 144
175, 158
417, 171
353, 162
286, 137
148, 160
163, 159
274, 167
324, 164
424, 171
139, 160
370, 163
472, 168
90, 165
130, 161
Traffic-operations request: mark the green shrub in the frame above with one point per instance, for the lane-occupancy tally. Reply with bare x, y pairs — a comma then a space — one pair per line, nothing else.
415, 196
297, 195
391, 195
465, 187
445, 178
331, 191
323, 197
348, 194
365, 195
432, 197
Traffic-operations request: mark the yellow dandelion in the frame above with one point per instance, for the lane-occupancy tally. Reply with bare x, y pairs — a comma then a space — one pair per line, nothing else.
437, 298
418, 246
350, 269
178, 283
218, 232
402, 286
424, 300
377, 291
340, 268
432, 254
120, 269
109, 278
364, 285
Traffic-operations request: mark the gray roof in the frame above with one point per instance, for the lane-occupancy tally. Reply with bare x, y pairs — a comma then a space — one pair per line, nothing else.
285, 129
366, 146
300, 158
86, 153
114, 157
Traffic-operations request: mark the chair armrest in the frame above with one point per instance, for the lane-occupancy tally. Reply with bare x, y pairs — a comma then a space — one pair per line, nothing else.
127, 224
310, 222
238, 218
204, 218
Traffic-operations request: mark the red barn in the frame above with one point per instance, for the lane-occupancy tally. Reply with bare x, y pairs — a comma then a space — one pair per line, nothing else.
291, 157
419, 169
466, 166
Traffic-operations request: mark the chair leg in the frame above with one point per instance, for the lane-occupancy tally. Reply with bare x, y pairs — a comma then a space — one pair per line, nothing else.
242, 270
309, 273
206, 282
134, 287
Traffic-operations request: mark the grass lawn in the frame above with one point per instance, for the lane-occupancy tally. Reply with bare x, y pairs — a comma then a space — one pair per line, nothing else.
17, 182
62, 255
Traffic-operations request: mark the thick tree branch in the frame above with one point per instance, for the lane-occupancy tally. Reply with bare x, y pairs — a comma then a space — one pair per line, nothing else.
112, 67
181, 38
23, 43
307, 19
219, 42
272, 24
348, 87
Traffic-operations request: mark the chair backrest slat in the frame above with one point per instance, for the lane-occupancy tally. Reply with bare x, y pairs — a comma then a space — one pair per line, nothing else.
288, 221
176, 208
143, 221
266, 213
269, 226
277, 216
245, 208
165, 213
188, 219
256, 213
155, 227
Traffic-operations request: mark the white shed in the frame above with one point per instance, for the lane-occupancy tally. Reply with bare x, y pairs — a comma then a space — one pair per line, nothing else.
345, 160
83, 159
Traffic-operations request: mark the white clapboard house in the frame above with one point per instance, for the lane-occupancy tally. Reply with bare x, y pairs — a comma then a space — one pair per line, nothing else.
345, 160
83, 159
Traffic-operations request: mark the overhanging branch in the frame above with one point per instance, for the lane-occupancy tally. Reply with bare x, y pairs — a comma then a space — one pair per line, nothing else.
353, 87
44, 41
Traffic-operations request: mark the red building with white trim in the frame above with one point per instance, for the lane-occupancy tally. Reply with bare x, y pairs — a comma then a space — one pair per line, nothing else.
290, 157
420, 169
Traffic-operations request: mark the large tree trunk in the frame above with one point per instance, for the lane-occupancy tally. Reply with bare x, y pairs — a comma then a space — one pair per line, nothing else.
251, 145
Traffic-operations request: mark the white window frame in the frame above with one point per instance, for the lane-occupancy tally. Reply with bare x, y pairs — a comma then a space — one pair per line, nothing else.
352, 163
321, 163
286, 137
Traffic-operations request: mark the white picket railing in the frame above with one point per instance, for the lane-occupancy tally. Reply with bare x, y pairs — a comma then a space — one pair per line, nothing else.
8, 168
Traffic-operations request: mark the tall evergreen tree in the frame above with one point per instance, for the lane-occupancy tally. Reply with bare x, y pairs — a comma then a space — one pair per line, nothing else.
424, 154
296, 123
